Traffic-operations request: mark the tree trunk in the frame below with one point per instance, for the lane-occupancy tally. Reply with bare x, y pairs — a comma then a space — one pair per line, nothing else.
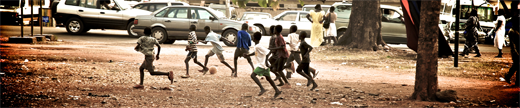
364, 29
426, 70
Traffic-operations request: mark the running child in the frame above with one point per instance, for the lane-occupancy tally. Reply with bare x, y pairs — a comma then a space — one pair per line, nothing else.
305, 49
213, 38
261, 69
192, 54
243, 44
145, 45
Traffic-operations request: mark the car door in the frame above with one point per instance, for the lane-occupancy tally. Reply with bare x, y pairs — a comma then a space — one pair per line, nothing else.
201, 18
112, 18
177, 22
393, 29
88, 12
303, 23
286, 20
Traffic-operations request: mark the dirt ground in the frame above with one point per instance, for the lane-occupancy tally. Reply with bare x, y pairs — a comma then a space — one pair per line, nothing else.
76, 74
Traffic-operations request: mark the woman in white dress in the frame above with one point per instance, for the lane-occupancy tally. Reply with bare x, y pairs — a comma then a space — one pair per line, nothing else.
330, 33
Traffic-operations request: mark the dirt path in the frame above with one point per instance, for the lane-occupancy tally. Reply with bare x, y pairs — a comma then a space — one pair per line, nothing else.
81, 74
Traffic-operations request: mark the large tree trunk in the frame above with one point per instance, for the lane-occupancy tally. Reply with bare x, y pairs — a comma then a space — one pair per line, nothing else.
426, 70
364, 29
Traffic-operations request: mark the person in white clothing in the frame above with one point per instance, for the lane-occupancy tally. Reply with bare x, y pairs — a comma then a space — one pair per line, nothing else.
330, 33
500, 32
261, 68
294, 44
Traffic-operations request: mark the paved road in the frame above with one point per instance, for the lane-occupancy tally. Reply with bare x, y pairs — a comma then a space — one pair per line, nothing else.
121, 36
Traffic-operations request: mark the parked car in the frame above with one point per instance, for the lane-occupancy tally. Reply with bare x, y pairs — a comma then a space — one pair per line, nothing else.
9, 15
289, 18
260, 19
79, 16
173, 22
153, 6
222, 8
393, 29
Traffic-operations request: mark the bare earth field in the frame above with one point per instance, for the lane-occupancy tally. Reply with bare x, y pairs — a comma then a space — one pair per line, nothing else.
77, 74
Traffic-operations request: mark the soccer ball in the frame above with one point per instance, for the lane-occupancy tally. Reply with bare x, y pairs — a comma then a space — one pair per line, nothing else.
213, 70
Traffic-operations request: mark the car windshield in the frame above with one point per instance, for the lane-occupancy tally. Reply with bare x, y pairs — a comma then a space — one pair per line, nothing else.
343, 11
123, 4
255, 16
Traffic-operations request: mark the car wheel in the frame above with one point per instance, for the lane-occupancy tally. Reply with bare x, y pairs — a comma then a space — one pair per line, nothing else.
159, 34
170, 41
129, 29
75, 26
230, 35
340, 32
262, 29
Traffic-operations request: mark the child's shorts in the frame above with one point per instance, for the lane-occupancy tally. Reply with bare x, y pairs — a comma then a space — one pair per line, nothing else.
262, 72
192, 54
219, 54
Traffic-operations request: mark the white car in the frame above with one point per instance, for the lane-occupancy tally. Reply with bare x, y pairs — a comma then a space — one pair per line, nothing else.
79, 16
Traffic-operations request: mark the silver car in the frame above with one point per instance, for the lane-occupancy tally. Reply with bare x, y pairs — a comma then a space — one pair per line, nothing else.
79, 16
173, 22
393, 29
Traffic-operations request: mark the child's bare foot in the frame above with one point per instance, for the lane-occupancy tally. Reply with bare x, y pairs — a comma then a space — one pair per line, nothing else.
138, 86
309, 83
185, 76
277, 94
261, 92
170, 76
286, 86
314, 87
281, 84
315, 74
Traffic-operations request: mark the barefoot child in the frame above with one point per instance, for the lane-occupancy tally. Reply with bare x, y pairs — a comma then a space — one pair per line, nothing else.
305, 49
145, 45
213, 38
192, 48
294, 42
243, 44
261, 69
280, 55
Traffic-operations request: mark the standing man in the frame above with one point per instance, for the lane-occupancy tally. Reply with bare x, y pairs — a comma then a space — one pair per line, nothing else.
145, 45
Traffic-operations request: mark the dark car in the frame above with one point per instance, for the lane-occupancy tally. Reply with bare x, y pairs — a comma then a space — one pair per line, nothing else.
9, 15
153, 6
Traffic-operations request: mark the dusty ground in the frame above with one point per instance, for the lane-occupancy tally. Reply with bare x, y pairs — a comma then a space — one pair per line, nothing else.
76, 74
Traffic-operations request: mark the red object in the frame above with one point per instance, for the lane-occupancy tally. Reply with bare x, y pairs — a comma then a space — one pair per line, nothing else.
136, 21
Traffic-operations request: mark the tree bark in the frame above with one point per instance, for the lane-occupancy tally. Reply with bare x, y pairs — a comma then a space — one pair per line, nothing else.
426, 71
364, 29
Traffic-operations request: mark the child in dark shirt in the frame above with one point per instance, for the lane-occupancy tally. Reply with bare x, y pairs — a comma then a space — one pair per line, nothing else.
280, 55
305, 50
